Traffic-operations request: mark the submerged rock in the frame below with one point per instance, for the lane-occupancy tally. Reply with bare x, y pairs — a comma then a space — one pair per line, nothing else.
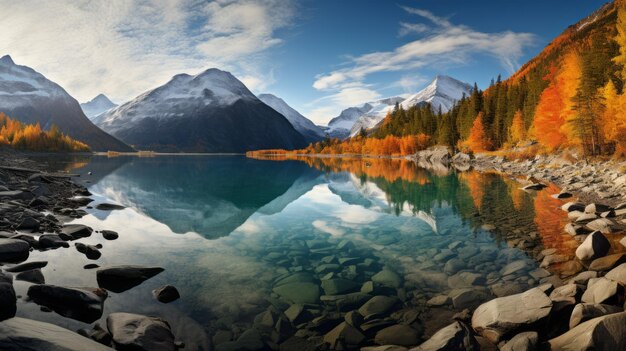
378, 305
83, 304
121, 278
344, 336
137, 332
299, 292
19, 334
398, 334
503, 316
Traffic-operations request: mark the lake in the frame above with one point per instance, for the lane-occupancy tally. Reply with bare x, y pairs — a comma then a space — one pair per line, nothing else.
237, 235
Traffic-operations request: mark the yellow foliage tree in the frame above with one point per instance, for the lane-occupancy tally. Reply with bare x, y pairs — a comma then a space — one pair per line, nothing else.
518, 131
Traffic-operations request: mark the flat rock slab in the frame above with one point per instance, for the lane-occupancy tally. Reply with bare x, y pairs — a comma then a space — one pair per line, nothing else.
76, 231
27, 266
83, 304
137, 332
602, 333
109, 207
503, 316
121, 278
607, 262
19, 334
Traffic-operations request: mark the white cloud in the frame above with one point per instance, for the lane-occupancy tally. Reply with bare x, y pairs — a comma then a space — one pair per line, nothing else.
442, 42
124, 47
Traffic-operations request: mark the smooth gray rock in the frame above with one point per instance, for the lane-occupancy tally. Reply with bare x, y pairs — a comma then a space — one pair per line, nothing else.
585, 311
8, 300
52, 241
76, 231
20, 334
137, 332
456, 336
602, 333
33, 276
12, 250
503, 316
398, 334
166, 294
27, 266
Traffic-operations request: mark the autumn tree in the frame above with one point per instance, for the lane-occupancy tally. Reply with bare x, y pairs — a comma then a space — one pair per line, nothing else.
517, 132
478, 140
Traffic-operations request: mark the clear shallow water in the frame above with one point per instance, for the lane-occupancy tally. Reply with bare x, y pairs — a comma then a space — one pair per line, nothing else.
226, 228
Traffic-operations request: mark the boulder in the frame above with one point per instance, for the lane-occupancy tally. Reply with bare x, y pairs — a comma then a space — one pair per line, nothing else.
32, 276
109, 234
19, 334
504, 316
121, 278
13, 250
565, 295
76, 231
456, 336
28, 223
299, 292
595, 245
90, 251
83, 304
603, 225
51, 241
378, 305
137, 332
585, 311
527, 341
166, 294
344, 336
596, 208
8, 300
573, 206
575, 229
398, 334
583, 277
339, 286
602, 333
468, 298
603, 290
607, 263
387, 278
109, 207
618, 274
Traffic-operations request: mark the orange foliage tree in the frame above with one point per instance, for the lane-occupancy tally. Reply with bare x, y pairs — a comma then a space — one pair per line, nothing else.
555, 105
478, 140
31, 137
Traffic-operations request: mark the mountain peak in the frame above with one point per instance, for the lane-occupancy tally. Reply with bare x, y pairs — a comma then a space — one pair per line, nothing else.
7, 60
97, 105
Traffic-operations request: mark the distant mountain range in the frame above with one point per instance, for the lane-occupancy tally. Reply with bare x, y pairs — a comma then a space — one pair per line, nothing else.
209, 112
97, 105
442, 93
29, 97
310, 131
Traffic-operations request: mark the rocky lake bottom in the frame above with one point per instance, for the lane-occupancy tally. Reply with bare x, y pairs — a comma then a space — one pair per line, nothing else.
303, 254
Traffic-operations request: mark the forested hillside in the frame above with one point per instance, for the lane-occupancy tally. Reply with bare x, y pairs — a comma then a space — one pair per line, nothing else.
31, 137
569, 96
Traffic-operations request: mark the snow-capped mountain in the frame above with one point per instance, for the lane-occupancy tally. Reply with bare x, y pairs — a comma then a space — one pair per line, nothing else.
341, 126
302, 124
209, 112
442, 93
30, 97
97, 105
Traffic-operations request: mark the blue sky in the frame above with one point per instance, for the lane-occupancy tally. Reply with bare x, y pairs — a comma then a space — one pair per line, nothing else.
318, 55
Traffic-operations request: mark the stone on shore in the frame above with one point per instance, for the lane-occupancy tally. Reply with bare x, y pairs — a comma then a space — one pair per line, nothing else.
33, 276
27, 266
618, 274
137, 332
607, 263
456, 336
19, 334
52, 241
526, 341
585, 311
602, 333
83, 304
504, 316
595, 245
13, 250
603, 225
76, 231
573, 206
109, 207
602, 290
8, 300
109, 234
121, 278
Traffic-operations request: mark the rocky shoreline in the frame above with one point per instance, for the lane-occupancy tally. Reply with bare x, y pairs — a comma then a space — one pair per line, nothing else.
34, 206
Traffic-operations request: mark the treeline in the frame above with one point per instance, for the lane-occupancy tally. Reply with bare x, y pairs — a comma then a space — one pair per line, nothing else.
31, 137
360, 145
571, 95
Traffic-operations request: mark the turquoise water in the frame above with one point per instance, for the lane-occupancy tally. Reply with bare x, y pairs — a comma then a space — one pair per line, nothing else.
228, 229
